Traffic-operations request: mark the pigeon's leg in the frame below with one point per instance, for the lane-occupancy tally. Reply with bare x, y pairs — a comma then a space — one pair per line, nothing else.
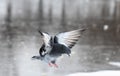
50, 64
54, 64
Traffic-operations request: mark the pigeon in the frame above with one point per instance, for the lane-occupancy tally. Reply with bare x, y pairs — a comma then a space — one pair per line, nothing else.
55, 46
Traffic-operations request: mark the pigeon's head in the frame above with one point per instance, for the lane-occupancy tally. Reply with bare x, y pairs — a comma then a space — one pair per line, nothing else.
37, 58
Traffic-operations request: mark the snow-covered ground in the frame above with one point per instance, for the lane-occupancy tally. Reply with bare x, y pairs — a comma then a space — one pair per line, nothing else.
99, 73
115, 63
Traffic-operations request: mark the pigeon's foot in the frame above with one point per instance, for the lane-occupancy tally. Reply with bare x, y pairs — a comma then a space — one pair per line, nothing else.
55, 65
51, 65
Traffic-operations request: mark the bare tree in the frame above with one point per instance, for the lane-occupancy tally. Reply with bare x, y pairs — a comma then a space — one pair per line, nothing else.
9, 37
27, 11
78, 15
105, 9
10, 68
50, 14
116, 16
116, 13
63, 15
8, 21
40, 14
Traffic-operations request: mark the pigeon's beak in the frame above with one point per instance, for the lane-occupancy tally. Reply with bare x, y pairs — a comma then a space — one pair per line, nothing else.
33, 58
37, 58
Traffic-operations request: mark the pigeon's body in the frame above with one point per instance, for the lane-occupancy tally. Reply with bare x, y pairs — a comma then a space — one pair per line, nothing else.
59, 49
56, 50
54, 47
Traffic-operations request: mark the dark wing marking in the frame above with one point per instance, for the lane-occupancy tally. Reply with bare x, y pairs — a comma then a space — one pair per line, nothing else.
47, 41
42, 50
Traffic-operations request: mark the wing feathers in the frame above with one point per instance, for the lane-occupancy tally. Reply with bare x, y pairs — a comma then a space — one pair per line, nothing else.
70, 38
46, 38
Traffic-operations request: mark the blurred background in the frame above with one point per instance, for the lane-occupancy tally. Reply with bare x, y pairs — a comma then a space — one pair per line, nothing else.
20, 21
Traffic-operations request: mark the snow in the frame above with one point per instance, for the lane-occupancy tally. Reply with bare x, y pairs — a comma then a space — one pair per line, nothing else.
115, 63
106, 27
99, 73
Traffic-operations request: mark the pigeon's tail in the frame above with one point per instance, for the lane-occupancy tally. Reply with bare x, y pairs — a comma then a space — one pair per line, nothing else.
67, 51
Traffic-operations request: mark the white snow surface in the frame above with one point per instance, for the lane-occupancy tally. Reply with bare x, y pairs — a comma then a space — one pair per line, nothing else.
99, 73
115, 63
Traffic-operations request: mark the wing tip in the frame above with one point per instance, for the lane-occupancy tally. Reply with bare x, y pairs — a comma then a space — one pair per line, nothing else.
40, 32
84, 29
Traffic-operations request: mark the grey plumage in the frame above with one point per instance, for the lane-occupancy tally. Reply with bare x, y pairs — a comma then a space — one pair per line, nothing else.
54, 47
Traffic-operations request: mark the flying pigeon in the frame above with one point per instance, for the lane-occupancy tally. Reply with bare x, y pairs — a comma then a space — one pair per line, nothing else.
54, 46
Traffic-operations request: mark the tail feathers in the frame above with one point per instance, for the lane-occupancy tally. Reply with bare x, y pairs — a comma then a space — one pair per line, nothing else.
68, 51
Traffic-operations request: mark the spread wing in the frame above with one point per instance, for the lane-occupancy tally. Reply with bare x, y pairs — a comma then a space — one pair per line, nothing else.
46, 38
70, 38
